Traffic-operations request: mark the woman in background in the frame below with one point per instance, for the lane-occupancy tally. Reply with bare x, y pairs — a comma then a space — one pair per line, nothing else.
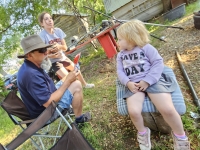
55, 36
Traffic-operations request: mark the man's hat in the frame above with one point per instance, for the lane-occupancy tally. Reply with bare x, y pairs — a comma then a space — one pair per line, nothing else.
31, 43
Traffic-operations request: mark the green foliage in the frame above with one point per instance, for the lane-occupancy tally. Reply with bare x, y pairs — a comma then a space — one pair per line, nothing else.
6, 125
94, 17
3, 91
87, 59
192, 8
5, 120
19, 19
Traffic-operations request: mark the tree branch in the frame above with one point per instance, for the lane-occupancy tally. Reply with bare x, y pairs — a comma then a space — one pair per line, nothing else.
8, 27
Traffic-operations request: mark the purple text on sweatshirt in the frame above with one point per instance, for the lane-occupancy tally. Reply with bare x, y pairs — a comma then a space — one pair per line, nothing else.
139, 64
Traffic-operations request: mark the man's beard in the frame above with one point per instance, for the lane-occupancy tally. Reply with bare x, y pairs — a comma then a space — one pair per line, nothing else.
46, 64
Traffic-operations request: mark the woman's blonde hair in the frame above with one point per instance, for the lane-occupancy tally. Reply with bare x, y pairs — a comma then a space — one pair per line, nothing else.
134, 32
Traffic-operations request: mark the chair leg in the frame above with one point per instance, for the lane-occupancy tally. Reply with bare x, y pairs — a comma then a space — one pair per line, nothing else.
64, 118
69, 118
35, 144
58, 130
41, 143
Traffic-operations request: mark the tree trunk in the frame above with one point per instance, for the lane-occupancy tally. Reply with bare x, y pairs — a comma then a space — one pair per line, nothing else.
156, 122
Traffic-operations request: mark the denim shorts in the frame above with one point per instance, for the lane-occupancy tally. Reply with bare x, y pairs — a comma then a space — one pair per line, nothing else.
64, 102
165, 84
66, 99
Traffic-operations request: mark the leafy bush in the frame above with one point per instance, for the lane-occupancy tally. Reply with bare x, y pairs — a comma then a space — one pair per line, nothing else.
3, 91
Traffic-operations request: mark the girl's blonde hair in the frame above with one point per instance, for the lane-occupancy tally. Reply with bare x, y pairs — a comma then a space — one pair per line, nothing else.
134, 32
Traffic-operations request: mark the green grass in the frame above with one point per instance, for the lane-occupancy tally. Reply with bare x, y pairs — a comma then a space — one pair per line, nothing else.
192, 8
92, 55
6, 127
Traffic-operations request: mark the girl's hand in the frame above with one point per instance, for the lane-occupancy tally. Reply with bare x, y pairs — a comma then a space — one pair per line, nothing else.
53, 49
56, 46
58, 55
142, 85
132, 86
60, 65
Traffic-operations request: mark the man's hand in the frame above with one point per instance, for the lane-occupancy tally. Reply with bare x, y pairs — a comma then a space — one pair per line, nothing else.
132, 86
142, 85
71, 77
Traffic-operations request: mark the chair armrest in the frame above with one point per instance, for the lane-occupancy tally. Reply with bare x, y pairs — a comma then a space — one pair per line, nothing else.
27, 121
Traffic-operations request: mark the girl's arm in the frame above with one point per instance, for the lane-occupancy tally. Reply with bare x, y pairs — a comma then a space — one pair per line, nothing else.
62, 35
63, 45
120, 71
156, 62
56, 48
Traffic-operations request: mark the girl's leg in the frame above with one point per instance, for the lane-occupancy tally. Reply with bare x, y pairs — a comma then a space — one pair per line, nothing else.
81, 79
163, 103
134, 104
83, 82
62, 72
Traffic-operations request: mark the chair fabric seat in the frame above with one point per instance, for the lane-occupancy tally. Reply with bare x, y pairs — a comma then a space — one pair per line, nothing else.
19, 112
148, 106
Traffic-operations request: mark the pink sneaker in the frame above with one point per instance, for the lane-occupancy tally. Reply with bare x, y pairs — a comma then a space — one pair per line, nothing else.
144, 140
180, 144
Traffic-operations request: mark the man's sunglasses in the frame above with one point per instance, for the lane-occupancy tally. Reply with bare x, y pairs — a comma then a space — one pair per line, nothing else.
41, 50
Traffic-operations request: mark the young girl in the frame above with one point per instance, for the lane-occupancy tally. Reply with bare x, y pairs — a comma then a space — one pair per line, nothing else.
139, 67
55, 36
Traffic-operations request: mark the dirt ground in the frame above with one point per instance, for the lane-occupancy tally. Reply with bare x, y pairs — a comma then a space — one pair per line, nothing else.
187, 43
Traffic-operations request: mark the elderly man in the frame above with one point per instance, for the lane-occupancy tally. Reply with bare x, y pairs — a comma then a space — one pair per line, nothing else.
37, 89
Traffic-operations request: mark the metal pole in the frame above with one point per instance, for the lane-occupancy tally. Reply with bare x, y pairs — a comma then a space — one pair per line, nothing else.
122, 21
161, 25
157, 38
194, 95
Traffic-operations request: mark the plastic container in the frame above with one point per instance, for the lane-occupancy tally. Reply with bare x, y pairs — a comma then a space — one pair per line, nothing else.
175, 13
196, 22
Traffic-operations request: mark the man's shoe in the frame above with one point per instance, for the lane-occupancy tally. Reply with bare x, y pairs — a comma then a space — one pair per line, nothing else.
85, 118
144, 140
180, 144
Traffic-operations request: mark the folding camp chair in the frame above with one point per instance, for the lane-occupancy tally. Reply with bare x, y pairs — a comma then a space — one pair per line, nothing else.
14, 106
152, 118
